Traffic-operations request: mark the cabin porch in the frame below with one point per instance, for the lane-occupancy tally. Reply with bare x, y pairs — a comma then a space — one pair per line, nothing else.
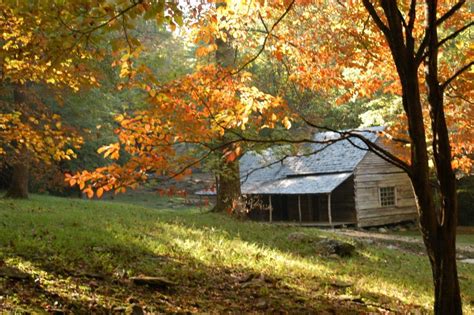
304, 209
306, 200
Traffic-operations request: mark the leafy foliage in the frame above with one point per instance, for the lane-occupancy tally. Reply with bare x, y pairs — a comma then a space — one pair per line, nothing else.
179, 128
54, 44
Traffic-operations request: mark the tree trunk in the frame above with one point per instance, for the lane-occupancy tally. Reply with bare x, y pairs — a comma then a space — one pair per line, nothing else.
447, 292
19, 181
438, 227
228, 188
441, 247
20, 166
228, 185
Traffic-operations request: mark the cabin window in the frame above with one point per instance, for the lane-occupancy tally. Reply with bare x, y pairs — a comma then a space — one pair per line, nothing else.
387, 196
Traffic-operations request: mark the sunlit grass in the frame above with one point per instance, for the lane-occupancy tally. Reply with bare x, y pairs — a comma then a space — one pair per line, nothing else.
52, 238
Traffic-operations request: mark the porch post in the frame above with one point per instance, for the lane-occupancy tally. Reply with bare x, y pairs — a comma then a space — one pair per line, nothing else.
271, 208
299, 207
329, 209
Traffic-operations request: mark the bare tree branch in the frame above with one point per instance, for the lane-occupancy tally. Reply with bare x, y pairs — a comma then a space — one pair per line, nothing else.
450, 12
449, 37
455, 33
456, 74
125, 33
378, 150
272, 35
421, 49
265, 40
373, 13
457, 95
95, 28
412, 15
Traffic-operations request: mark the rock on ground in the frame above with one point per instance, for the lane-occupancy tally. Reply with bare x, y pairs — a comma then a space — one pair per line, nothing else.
335, 247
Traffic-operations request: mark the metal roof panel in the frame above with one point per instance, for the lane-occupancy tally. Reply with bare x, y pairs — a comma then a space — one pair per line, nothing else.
312, 184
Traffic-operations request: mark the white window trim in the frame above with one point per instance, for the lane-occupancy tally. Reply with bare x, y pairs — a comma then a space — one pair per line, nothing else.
394, 196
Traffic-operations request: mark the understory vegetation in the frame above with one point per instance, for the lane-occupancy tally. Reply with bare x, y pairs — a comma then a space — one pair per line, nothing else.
79, 256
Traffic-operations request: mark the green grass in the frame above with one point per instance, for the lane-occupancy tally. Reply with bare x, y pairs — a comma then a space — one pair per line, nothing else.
61, 243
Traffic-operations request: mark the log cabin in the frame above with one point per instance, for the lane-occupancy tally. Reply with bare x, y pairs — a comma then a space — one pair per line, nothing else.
336, 184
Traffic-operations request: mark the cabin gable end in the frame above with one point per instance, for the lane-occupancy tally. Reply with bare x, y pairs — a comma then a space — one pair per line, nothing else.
383, 193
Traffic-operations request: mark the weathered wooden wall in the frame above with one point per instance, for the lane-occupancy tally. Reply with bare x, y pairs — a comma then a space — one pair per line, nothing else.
343, 202
371, 174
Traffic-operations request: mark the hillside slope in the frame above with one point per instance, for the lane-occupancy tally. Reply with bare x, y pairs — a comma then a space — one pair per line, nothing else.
80, 256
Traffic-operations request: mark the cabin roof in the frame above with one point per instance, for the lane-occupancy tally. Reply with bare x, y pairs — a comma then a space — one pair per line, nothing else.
311, 184
321, 172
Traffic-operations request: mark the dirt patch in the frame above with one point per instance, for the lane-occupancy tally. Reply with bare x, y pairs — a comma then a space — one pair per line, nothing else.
410, 244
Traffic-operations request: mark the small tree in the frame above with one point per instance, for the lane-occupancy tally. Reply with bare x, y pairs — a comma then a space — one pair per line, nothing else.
438, 222
395, 46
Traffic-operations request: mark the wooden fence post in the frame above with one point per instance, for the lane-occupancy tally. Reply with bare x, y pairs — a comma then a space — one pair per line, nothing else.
299, 207
329, 209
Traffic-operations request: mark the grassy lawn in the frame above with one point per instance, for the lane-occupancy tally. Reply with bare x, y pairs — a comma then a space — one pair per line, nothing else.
79, 255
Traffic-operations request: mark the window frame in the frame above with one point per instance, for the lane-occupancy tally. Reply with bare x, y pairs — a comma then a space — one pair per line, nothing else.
394, 196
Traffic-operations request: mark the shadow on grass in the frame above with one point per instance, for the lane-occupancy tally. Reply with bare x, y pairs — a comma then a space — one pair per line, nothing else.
199, 288
84, 260
382, 270
28, 294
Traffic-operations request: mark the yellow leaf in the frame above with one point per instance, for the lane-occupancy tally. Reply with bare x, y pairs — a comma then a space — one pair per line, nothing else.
119, 118
286, 123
